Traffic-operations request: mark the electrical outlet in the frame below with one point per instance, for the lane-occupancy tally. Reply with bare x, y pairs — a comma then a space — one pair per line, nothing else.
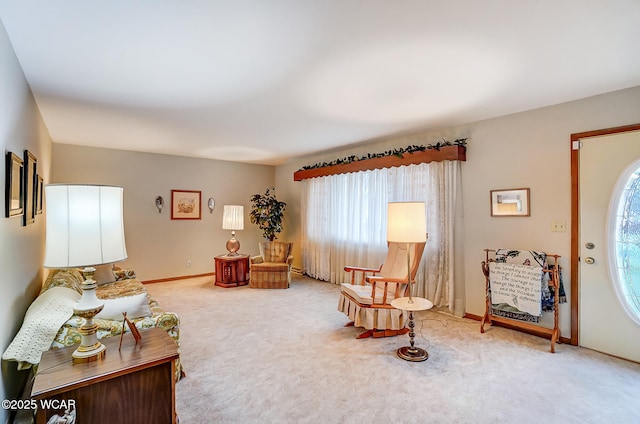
188, 262
559, 226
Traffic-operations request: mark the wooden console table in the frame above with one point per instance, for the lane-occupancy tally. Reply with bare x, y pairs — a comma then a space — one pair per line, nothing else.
134, 385
232, 271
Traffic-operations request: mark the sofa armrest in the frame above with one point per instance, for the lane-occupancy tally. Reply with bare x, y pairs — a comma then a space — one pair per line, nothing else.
124, 274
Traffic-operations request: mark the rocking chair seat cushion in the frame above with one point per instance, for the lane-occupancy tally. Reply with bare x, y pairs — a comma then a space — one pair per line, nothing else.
372, 318
361, 294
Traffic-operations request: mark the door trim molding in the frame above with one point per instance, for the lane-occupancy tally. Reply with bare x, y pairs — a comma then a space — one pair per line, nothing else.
575, 216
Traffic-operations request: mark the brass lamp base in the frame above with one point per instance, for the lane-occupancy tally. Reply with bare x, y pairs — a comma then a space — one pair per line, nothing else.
414, 354
80, 356
88, 307
233, 245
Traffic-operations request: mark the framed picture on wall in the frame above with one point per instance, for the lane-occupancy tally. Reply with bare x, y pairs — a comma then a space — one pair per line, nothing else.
39, 194
186, 204
30, 184
510, 202
14, 186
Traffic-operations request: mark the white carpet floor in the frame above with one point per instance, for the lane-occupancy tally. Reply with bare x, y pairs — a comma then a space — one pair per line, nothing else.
283, 356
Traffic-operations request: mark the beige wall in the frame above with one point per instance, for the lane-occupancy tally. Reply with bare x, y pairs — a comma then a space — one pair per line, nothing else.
528, 149
157, 246
22, 248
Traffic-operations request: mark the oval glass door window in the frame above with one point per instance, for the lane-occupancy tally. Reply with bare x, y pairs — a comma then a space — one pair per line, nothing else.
624, 241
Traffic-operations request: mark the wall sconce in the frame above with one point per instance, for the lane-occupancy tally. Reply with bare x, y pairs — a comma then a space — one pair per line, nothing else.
211, 203
159, 203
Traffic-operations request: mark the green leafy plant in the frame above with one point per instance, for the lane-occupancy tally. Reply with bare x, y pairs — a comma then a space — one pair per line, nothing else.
267, 212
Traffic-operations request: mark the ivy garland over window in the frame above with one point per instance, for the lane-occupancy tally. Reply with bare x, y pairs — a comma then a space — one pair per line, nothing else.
395, 152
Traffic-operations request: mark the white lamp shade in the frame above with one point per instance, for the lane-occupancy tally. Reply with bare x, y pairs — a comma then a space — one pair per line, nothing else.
233, 217
84, 225
406, 222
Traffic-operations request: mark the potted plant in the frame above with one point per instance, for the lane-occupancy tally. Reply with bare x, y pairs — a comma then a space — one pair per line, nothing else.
267, 212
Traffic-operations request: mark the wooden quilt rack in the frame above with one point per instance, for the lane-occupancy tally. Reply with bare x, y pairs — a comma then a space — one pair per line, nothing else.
554, 283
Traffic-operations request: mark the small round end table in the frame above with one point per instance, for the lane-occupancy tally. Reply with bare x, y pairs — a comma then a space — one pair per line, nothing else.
411, 304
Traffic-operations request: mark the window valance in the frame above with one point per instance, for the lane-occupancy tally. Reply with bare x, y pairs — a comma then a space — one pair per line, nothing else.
414, 155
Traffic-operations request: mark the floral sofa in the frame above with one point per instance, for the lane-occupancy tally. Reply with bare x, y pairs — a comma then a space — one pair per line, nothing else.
61, 290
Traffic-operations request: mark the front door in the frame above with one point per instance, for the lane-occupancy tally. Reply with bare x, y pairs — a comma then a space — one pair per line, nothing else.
603, 323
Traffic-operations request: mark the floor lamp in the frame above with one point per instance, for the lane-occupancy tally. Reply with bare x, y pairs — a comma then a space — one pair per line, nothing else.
406, 223
85, 227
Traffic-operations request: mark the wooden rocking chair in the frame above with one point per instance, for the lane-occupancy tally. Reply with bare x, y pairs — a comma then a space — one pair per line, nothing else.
367, 299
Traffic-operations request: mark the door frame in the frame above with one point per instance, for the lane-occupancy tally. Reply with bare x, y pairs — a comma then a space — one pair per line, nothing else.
575, 216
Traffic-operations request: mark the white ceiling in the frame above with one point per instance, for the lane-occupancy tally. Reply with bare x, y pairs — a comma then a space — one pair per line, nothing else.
262, 81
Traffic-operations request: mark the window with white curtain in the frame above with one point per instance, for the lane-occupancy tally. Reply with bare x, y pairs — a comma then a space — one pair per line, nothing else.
344, 221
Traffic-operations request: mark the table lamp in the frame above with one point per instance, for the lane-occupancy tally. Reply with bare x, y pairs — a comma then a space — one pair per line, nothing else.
233, 219
406, 223
84, 228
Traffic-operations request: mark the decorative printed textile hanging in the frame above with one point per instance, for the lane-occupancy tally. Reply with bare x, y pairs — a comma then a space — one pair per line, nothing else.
521, 298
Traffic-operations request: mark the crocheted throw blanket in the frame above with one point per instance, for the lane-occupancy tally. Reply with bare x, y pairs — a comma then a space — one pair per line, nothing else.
43, 319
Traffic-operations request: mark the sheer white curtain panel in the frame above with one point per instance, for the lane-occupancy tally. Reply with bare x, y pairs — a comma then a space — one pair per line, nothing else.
344, 220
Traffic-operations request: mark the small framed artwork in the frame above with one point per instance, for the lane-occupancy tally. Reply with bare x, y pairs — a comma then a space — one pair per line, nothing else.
14, 186
30, 183
510, 202
39, 194
186, 204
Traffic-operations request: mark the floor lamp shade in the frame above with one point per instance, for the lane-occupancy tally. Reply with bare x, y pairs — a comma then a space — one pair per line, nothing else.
84, 225
406, 222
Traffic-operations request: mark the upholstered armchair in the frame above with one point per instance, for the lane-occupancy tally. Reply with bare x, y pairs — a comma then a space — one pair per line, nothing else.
272, 269
366, 300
